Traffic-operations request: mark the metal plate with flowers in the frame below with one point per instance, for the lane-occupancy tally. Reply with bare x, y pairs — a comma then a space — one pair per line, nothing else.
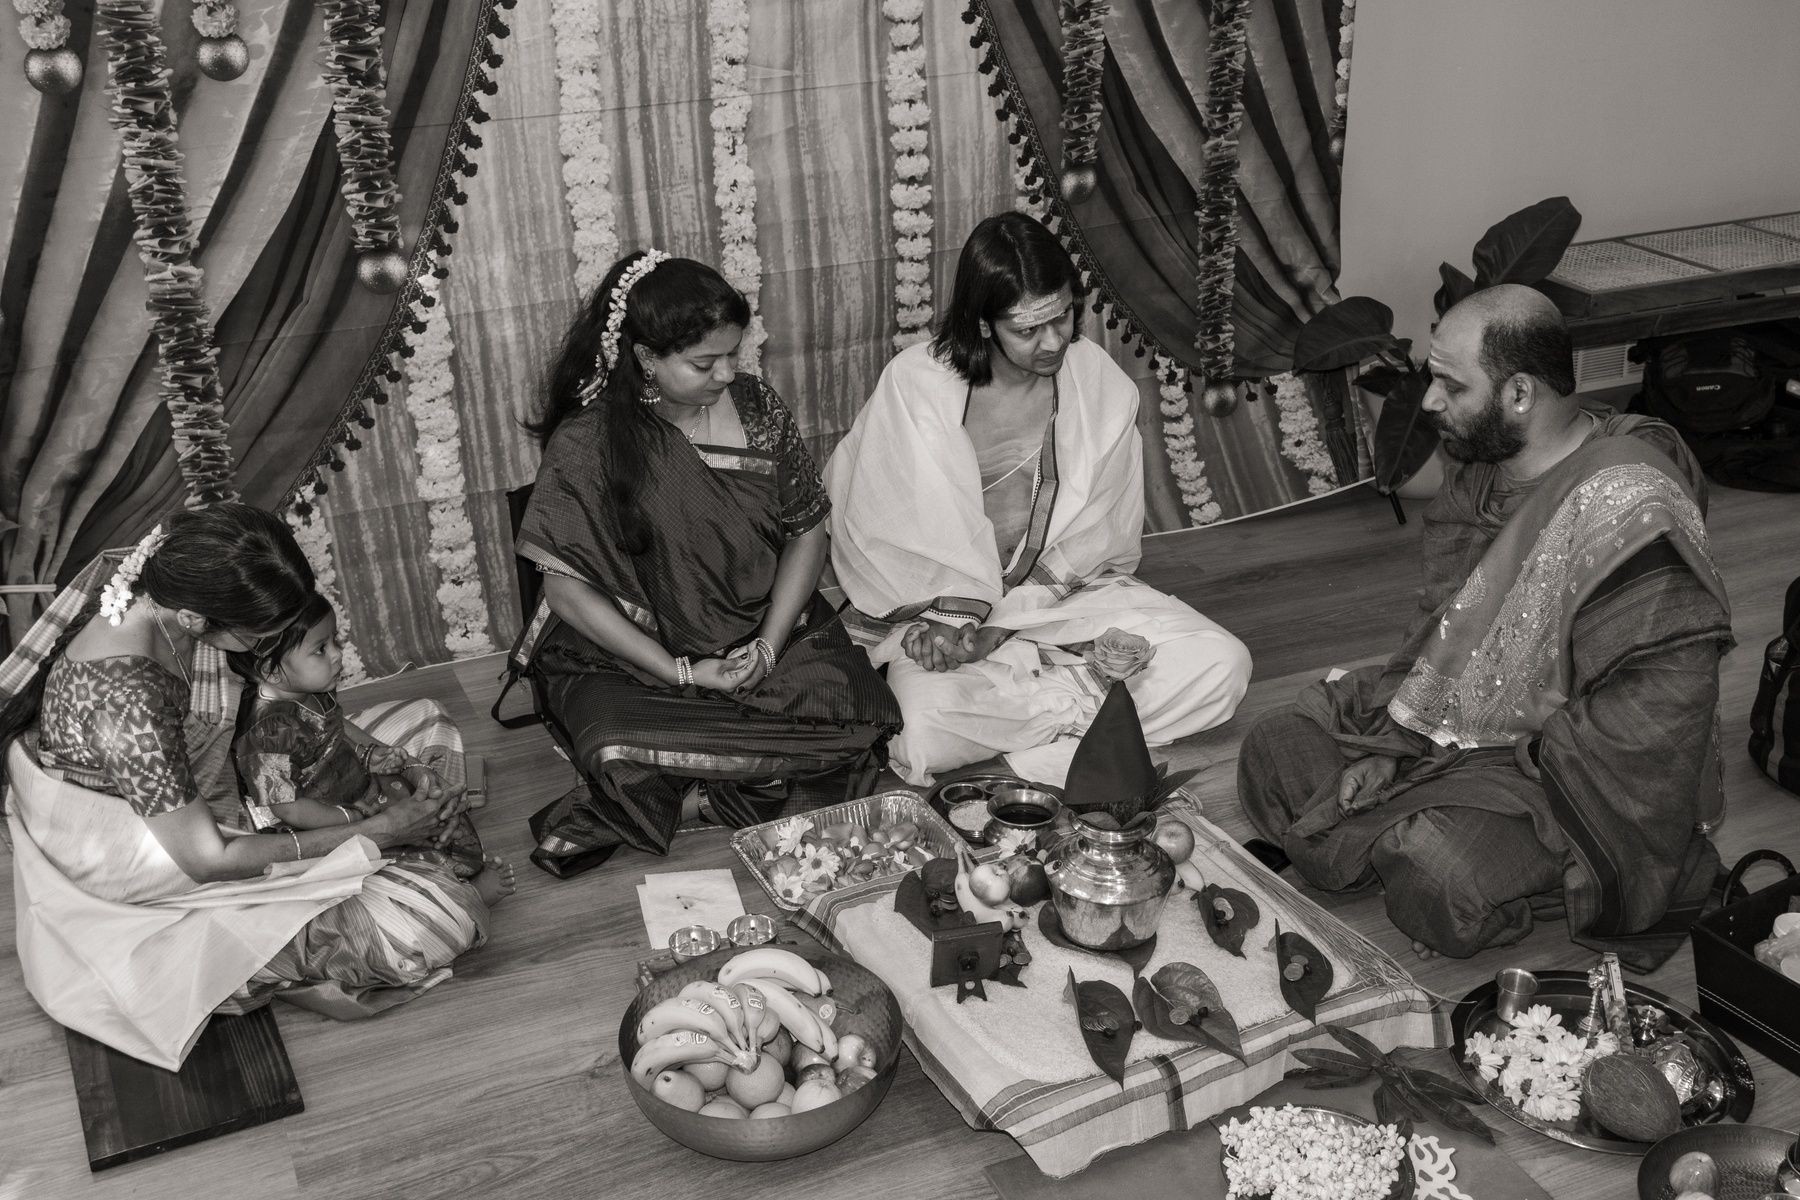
1722, 1085
758, 845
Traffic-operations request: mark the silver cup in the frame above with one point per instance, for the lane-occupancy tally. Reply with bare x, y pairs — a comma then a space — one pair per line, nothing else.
751, 929
1516, 990
692, 941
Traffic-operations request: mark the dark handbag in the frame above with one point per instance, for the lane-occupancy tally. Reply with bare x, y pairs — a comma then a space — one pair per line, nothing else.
1775, 715
1742, 996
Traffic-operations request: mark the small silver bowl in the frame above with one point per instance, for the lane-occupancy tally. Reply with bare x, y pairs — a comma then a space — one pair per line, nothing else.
1022, 810
751, 929
693, 941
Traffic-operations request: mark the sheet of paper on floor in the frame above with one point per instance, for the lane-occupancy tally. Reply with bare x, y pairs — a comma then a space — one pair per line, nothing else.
673, 900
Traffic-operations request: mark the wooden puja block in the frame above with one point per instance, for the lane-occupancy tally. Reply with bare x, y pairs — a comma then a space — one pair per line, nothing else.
237, 1075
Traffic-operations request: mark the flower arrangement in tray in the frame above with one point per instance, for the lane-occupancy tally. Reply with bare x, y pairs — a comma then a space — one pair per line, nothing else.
1291, 1153
1539, 1064
809, 860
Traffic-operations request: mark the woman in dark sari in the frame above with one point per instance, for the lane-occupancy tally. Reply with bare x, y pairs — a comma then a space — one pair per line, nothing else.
680, 526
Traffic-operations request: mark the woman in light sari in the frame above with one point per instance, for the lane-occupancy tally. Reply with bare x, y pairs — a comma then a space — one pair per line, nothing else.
143, 907
680, 526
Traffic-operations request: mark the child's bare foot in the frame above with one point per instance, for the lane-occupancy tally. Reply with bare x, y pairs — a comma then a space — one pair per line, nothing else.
1423, 951
496, 882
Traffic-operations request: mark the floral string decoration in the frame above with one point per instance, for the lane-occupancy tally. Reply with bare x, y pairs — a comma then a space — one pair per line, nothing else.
909, 114
443, 485
734, 182
1340, 85
222, 54
50, 66
608, 358
1301, 442
116, 596
1217, 205
358, 81
1083, 55
1185, 463
314, 535
587, 162
144, 114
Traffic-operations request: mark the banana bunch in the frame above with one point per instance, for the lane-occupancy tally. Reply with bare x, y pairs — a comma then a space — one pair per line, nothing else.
781, 983
681, 1048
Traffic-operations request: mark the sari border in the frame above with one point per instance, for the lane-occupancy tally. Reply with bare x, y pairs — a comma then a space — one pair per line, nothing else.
1043, 502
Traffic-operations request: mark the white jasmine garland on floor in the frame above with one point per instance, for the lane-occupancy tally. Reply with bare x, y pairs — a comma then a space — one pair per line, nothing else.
734, 182
909, 114
1288, 1153
1300, 440
587, 162
430, 401
314, 536
1178, 437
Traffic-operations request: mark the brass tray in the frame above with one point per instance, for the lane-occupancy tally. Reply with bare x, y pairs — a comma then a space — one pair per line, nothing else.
1567, 993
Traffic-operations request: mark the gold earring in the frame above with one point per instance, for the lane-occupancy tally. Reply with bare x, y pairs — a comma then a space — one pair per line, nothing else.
987, 331
652, 391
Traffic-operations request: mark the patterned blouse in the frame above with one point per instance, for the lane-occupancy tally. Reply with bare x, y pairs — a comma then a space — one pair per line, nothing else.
291, 751
115, 725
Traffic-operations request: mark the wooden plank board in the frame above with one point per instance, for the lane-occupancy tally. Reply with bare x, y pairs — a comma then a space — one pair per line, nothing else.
237, 1076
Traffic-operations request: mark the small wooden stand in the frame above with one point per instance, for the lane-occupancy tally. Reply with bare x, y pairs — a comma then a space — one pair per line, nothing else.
237, 1075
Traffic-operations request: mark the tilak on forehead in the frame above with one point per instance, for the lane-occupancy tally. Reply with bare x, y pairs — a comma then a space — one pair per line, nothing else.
1035, 310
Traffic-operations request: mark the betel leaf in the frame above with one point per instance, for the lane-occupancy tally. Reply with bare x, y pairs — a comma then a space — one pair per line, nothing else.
1212, 1027
1343, 334
1294, 955
1107, 1023
1358, 1045
1227, 930
1527, 245
1455, 288
1193, 1001
1405, 439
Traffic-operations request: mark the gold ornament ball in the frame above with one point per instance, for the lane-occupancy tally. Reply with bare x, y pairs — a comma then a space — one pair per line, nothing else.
223, 58
1220, 399
53, 72
1078, 183
381, 271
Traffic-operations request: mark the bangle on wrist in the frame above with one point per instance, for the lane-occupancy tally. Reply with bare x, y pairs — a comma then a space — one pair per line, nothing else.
684, 671
349, 818
297, 853
766, 652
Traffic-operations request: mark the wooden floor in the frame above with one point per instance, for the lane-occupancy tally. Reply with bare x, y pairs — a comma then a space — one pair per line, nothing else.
505, 1082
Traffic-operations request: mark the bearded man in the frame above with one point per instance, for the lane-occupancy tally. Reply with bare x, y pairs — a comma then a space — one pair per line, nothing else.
1544, 741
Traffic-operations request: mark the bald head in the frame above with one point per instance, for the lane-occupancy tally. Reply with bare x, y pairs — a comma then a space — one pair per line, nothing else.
1515, 330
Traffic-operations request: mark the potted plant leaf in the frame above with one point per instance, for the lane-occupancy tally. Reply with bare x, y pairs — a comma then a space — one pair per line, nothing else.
1522, 248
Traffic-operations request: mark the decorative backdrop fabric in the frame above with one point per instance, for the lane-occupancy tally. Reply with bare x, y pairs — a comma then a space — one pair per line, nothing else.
84, 455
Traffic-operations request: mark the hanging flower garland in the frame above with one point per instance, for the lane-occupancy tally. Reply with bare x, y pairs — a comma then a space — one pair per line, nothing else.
142, 112
442, 483
1178, 437
222, 54
909, 114
1341, 85
50, 66
1084, 56
1217, 207
734, 183
587, 162
358, 81
314, 536
1301, 443
429, 255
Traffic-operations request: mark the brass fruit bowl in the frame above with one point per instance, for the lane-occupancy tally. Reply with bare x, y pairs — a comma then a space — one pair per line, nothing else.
869, 1009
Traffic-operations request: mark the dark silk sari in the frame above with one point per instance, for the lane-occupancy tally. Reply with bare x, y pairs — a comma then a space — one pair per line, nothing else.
720, 518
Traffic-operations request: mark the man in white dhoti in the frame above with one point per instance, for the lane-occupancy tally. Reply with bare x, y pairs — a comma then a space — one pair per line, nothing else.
987, 513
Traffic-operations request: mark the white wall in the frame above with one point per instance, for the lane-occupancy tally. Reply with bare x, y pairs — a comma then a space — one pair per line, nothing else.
1648, 114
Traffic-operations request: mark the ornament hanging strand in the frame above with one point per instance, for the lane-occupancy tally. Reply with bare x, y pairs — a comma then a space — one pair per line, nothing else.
50, 66
358, 80
222, 54
1084, 55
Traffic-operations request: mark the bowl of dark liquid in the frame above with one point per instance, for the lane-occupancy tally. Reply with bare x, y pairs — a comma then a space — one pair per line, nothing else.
1021, 817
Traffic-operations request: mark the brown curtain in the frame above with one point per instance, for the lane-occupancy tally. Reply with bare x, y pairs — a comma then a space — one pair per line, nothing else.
1139, 225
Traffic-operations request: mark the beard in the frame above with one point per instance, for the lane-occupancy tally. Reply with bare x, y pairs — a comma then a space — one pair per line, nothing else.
1486, 439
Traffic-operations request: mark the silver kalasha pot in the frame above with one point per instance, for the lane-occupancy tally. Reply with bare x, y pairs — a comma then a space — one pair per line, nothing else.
1109, 885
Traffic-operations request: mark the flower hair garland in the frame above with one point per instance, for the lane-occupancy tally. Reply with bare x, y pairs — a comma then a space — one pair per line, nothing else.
909, 114
608, 357
116, 596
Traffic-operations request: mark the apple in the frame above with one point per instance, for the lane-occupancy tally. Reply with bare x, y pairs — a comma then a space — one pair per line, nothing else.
990, 884
1176, 839
1028, 881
